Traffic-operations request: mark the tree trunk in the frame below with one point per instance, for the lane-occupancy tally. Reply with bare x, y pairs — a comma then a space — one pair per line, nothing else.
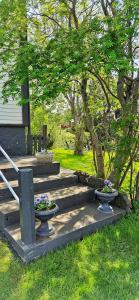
99, 155
91, 128
78, 117
94, 158
120, 160
137, 187
79, 140
129, 137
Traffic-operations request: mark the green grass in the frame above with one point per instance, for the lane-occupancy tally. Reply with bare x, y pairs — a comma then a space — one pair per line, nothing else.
103, 266
85, 163
75, 162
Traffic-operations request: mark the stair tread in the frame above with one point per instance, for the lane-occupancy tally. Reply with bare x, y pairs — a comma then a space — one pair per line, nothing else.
21, 162
71, 220
66, 192
9, 206
62, 193
42, 178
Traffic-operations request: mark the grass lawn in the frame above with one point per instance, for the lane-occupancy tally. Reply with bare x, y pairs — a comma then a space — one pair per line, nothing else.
75, 162
84, 163
103, 266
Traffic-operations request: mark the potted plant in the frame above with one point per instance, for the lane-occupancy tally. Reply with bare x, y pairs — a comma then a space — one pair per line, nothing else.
106, 195
44, 157
44, 211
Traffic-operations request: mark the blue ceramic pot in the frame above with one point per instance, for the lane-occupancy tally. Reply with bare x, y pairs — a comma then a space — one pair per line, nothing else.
104, 199
45, 230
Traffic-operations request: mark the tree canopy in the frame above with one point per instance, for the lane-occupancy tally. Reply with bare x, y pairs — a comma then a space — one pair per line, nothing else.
89, 48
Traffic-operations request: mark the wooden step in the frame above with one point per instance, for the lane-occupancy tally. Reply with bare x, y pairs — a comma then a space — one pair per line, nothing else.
69, 226
64, 197
38, 169
20, 161
41, 183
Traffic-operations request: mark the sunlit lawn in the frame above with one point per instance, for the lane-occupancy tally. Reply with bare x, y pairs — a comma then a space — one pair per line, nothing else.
75, 162
103, 266
85, 163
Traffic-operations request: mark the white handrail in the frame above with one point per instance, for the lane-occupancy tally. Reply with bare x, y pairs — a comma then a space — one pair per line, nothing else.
9, 159
9, 186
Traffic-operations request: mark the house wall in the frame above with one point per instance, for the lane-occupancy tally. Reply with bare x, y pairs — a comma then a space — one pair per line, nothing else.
12, 128
10, 113
13, 140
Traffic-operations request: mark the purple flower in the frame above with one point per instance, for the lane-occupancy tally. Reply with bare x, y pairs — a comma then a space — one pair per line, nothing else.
44, 197
42, 200
106, 182
38, 200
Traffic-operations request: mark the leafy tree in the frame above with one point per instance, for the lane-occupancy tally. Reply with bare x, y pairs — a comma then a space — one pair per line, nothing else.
94, 42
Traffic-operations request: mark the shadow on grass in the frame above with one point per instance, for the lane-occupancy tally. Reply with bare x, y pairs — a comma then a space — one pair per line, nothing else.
104, 265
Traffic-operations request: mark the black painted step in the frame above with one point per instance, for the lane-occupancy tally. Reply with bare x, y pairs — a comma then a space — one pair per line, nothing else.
41, 183
69, 226
38, 169
65, 198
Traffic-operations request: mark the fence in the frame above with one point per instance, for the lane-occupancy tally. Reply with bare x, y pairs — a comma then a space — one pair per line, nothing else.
37, 142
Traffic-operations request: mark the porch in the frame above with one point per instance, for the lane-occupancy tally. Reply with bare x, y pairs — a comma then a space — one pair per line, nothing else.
77, 216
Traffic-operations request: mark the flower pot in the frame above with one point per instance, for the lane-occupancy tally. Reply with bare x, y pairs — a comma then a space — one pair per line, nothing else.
45, 230
104, 199
43, 157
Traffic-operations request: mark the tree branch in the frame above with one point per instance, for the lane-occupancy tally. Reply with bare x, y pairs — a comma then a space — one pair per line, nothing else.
103, 82
132, 156
48, 17
104, 7
73, 11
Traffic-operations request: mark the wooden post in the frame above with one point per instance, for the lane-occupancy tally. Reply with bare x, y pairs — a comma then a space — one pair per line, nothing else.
39, 143
27, 213
35, 144
24, 61
44, 132
29, 144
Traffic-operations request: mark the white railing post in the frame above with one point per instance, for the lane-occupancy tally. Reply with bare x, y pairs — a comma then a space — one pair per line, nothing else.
26, 200
9, 159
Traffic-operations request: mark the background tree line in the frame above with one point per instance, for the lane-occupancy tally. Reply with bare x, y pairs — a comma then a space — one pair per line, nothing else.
85, 53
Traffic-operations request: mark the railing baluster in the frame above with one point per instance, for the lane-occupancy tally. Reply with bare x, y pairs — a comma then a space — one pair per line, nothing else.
9, 186
26, 200
9, 159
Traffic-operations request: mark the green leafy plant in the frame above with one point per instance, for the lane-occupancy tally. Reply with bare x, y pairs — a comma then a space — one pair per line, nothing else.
107, 187
43, 203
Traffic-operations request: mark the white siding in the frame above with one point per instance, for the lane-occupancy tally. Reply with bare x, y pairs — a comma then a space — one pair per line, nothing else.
10, 113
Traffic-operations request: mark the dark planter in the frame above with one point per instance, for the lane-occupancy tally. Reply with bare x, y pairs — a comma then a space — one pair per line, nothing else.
104, 199
45, 229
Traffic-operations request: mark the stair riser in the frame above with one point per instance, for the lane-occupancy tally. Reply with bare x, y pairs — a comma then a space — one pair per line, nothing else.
46, 169
13, 217
5, 194
28, 254
9, 219
74, 200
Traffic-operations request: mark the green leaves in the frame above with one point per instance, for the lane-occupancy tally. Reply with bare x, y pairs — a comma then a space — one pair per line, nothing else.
100, 43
